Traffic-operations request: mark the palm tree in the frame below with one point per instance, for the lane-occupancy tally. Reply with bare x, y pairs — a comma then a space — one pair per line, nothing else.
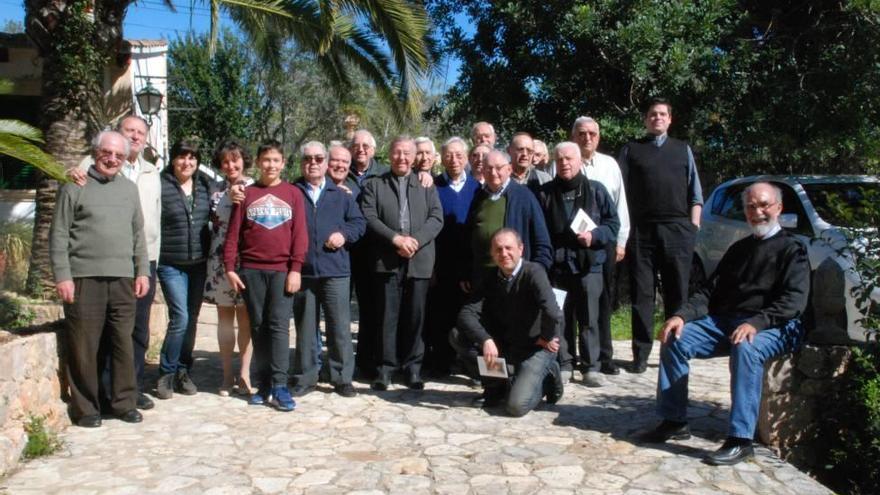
386, 39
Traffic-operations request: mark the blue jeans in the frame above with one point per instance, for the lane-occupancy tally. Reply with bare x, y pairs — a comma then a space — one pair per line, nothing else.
529, 383
333, 295
710, 337
183, 286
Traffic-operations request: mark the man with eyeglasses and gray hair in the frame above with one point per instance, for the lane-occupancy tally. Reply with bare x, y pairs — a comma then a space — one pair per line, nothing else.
603, 169
749, 309
101, 266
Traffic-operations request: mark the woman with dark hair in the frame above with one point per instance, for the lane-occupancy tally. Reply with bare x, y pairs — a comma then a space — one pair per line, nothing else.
232, 160
186, 209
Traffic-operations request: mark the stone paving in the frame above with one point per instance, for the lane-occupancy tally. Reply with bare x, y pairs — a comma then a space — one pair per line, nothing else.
407, 442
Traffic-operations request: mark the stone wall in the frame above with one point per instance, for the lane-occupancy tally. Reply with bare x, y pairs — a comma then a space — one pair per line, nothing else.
796, 389
30, 385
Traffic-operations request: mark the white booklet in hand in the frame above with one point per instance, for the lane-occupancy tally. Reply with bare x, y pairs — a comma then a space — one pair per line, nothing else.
582, 222
560, 297
498, 369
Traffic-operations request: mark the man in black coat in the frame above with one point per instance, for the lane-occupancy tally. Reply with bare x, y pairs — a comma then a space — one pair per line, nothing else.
513, 315
749, 308
578, 257
403, 218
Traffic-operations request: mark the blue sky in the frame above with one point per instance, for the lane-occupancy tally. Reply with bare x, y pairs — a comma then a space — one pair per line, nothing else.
151, 19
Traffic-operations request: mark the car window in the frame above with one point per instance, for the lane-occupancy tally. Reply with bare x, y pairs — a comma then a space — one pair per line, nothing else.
791, 204
844, 204
732, 206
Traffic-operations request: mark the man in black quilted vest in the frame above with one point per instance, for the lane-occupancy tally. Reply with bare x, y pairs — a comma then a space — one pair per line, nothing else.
660, 174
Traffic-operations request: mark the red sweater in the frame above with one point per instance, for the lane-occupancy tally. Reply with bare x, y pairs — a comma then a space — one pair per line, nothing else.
267, 230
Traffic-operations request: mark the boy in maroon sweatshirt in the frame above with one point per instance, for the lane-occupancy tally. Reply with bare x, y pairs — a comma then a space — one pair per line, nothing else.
265, 248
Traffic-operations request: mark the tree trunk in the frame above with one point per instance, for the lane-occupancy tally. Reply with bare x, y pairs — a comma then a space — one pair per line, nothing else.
75, 39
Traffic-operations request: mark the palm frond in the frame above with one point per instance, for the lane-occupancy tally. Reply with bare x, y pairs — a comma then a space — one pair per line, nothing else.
24, 150
272, 7
21, 130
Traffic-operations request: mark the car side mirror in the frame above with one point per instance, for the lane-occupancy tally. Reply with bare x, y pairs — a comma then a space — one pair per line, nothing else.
788, 220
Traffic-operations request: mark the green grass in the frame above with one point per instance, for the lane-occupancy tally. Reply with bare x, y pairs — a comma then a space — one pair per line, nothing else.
41, 441
621, 323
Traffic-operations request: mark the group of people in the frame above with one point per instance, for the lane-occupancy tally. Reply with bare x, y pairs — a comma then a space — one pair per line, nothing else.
498, 267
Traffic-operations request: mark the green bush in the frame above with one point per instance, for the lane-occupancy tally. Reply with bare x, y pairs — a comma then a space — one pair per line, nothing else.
14, 313
41, 441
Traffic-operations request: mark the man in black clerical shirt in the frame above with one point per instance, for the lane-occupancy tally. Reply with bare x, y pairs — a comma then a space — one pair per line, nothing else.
749, 308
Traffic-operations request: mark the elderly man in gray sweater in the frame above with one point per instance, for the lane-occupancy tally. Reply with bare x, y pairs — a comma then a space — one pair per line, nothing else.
100, 262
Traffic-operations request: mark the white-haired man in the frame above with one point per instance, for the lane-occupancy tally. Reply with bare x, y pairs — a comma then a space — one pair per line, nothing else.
426, 154
483, 133
750, 309
604, 169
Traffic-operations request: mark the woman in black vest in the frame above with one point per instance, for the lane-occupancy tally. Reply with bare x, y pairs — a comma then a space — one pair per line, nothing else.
186, 237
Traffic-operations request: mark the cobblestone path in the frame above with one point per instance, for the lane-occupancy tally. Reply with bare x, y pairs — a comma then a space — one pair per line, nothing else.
405, 442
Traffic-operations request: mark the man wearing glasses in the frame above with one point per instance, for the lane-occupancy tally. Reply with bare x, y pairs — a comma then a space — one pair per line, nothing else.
750, 309
521, 151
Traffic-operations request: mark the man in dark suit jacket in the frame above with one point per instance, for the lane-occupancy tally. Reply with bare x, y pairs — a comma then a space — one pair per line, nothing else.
403, 218
513, 315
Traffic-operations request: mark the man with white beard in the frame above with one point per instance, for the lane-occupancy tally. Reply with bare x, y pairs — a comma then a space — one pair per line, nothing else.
749, 308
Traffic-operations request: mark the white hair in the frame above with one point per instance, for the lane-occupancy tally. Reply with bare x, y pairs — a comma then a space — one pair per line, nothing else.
312, 144
425, 139
370, 138
474, 127
580, 121
502, 154
566, 144
454, 140
776, 190
96, 142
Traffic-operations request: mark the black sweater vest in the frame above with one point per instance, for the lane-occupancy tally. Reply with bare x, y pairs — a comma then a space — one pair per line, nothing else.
657, 181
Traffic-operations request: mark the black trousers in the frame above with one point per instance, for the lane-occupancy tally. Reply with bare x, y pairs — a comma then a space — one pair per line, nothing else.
446, 299
664, 249
140, 342
606, 345
102, 305
269, 307
581, 310
402, 299
366, 353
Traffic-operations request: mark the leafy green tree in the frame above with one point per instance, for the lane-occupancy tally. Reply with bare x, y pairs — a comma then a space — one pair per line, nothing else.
756, 86
385, 39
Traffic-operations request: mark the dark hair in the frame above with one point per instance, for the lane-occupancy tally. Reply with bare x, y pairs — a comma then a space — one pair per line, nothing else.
270, 145
186, 147
657, 100
226, 147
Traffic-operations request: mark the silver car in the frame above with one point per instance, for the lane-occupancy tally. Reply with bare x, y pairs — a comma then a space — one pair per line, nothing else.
810, 214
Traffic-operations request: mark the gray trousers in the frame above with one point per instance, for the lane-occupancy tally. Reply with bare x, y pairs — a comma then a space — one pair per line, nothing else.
332, 295
101, 304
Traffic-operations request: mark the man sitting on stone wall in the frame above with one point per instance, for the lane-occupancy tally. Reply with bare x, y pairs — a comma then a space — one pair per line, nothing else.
750, 308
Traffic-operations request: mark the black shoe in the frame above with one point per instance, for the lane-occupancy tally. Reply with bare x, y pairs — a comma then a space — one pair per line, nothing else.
144, 402
133, 416
381, 382
89, 421
637, 367
345, 389
666, 430
301, 390
553, 386
733, 451
165, 386
414, 382
183, 383
609, 368
489, 399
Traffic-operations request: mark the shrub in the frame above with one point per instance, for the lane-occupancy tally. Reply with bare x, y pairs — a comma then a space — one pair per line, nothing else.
41, 441
13, 312
15, 251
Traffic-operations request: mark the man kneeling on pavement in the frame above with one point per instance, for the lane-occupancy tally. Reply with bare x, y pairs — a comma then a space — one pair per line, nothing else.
749, 308
513, 315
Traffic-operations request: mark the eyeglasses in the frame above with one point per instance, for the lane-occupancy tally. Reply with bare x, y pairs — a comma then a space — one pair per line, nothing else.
103, 152
760, 206
316, 158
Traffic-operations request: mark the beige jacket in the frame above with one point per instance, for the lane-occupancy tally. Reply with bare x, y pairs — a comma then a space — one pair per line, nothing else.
150, 192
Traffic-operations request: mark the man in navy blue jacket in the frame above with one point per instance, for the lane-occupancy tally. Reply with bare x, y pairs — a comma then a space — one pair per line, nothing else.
502, 203
456, 190
334, 223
